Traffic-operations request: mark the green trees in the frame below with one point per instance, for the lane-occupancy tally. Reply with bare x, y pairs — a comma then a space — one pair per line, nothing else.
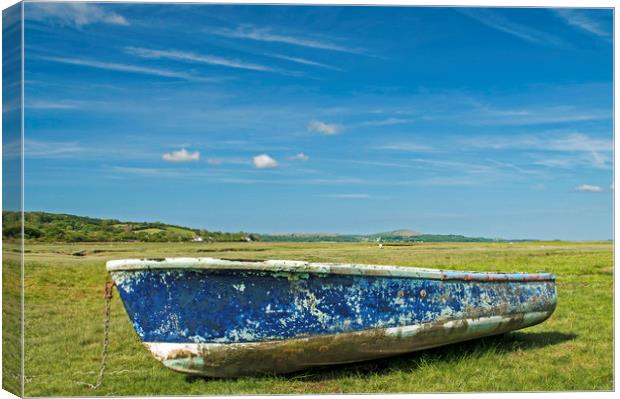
50, 227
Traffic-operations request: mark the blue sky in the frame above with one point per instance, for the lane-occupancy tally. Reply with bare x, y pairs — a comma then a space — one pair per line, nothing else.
475, 121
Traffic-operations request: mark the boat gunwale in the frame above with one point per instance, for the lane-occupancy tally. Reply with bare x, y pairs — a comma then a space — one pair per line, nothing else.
298, 267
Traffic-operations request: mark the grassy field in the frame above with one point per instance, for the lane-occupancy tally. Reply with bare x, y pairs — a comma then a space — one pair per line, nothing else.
573, 350
11, 317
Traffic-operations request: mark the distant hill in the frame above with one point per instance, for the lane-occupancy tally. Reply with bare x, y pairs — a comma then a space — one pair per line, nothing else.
400, 233
394, 236
52, 227
44, 226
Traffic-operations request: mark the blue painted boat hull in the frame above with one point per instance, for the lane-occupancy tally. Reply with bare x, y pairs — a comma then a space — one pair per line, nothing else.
229, 318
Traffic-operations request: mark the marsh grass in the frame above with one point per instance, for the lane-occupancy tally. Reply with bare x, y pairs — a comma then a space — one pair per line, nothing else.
573, 350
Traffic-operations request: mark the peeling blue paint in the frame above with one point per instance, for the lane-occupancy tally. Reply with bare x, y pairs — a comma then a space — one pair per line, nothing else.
232, 306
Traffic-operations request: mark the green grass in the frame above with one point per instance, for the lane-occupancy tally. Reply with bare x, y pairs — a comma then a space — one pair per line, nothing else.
181, 231
11, 317
149, 231
176, 230
573, 350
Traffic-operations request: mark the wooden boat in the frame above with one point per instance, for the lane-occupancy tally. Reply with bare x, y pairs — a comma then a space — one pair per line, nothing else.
228, 318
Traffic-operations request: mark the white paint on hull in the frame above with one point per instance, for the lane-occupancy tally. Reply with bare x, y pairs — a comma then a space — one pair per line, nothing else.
294, 266
281, 356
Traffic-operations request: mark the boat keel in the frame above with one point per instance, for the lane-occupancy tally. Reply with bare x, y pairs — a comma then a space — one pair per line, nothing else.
289, 355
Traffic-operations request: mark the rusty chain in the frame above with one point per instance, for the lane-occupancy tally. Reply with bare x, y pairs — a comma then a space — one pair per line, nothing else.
109, 285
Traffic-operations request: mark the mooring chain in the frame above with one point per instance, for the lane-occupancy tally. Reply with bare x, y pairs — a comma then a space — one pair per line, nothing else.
106, 331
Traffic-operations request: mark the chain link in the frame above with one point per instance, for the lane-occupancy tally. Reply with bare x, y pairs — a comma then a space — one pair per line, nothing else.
106, 332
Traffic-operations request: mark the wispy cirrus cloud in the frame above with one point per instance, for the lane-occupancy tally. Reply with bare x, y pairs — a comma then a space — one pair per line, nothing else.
228, 161
267, 35
572, 161
73, 14
536, 105
463, 173
200, 58
404, 146
579, 149
305, 61
43, 104
463, 167
112, 66
584, 20
486, 115
550, 141
457, 171
55, 149
149, 172
181, 155
326, 181
347, 196
384, 122
73, 150
496, 20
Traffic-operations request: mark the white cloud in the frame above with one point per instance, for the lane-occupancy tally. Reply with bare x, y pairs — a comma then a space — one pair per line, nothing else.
264, 161
229, 161
129, 68
198, 58
498, 21
266, 35
149, 172
348, 196
404, 146
77, 150
384, 122
581, 20
60, 104
304, 61
588, 188
56, 149
581, 149
324, 128
537, 116
577, 142
334, 181
299, 157
74, 13
181, 155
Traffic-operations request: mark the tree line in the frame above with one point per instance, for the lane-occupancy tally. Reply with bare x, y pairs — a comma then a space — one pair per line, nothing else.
51, 227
